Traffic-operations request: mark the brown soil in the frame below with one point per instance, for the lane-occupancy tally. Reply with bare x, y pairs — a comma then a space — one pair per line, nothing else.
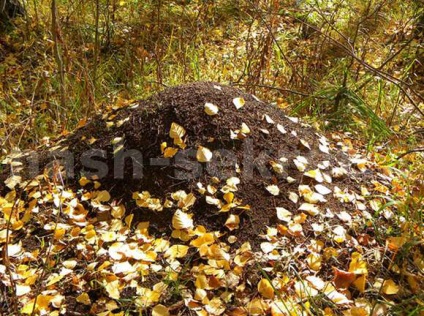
148, 125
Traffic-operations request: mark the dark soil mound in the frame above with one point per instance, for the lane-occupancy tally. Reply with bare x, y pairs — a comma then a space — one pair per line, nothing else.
254, 157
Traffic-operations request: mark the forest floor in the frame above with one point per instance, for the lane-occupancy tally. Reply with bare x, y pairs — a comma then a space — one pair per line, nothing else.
125, 193
240, 210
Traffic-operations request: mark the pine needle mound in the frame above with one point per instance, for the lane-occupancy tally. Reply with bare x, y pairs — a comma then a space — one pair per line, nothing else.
262, 158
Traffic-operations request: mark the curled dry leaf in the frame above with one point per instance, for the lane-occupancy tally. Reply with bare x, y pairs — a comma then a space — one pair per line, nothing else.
284, 215
357, 265
281, 129
232, 222
83, 181
338, 172
293, 197
177, 133
304, 144
268, 119
311, 209
390, 287
203, 154
182, 220
117, 140
211, 109
273, 189
244, 129
176, 251
12, 181
256, 307
343, 279
239, 102
83, 298
160, 310
266, 289
293, 119
300, 163
321, 189
278, 168
360, 283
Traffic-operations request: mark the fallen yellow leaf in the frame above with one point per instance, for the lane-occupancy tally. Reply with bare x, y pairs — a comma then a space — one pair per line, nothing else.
265, 289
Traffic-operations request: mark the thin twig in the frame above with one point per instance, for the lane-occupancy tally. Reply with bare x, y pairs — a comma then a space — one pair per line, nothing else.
281, 90
416, 150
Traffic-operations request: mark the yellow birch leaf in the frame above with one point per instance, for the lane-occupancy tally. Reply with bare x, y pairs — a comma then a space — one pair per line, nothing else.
103, 196
360, 283
83, 181
390, 287
256, 307
211, 109
357, 265
182, 220
265, 289
84, 299
203, 154
170, 152
113, 290
314, 261
238, 102
176, 131
395, 243
273, 189
28, 308
176, 251
160, 310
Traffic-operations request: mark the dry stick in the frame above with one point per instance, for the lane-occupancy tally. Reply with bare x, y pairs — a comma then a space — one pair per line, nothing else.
387, 61
397, 104
246, 69
34, 3
158, 53
392, 39
282, 90
57, 55
31, 113
416, 150
397, 53
96, 54
27, 22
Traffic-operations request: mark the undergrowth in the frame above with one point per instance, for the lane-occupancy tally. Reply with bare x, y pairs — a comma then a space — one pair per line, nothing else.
352, 65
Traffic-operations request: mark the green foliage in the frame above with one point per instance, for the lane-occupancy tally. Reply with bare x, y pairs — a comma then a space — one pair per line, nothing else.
354, 64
